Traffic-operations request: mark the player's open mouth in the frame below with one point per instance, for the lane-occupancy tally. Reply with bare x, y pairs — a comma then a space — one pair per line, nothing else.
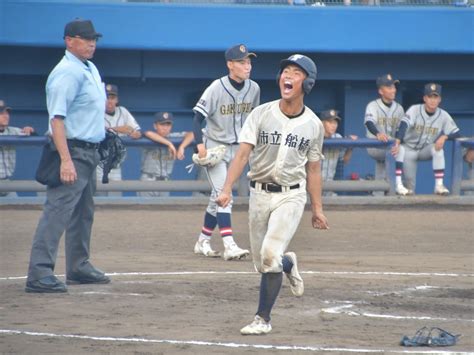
287, 86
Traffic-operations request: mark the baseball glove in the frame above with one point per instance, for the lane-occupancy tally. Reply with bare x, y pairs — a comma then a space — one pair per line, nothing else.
213, 156
112, 153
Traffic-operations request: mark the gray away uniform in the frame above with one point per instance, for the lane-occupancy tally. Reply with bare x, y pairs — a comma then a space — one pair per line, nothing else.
225, 110
386, 120
418, 144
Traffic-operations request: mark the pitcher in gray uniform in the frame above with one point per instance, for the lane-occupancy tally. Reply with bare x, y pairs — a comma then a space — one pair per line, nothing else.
421, 136
382, 118
224, 105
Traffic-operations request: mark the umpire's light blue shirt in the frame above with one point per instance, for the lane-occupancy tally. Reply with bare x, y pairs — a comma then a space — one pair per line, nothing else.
75, 90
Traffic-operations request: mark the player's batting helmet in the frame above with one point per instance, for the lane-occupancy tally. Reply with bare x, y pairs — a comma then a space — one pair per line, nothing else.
304, 63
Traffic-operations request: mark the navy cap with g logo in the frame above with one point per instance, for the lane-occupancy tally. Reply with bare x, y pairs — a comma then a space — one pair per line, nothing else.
163, 117
238, 52
432, 89
111, 89
4, 107
386, 80
330, 115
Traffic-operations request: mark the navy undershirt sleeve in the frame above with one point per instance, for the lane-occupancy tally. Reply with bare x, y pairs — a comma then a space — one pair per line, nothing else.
371, 127
454, 135
401, 131
197, 130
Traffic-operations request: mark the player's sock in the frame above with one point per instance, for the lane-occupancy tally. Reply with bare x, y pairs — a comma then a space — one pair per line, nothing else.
225, 228
287, 264
210, 223
398, 173
439, 175
270, 285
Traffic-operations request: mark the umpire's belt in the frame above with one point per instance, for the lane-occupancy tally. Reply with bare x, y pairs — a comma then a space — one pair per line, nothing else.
82, 144
268, 187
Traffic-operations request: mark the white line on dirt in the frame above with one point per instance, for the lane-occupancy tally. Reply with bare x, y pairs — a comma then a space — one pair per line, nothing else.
225, 345
406, 290
112, 293
346, 309
183, 273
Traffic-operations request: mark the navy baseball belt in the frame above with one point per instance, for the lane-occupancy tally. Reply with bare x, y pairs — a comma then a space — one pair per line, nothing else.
269, 187
82, 144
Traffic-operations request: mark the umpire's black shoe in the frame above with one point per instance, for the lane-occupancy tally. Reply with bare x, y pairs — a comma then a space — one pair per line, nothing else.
48, 284
94, 277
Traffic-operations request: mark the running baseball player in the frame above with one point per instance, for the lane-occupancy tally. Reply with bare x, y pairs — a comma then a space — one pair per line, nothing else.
332, 156
382, 118
224, 105
283, 140
421, 136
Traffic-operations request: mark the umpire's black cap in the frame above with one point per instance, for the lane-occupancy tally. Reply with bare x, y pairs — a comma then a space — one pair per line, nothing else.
238, 52
4, 107
432, 89
81, 28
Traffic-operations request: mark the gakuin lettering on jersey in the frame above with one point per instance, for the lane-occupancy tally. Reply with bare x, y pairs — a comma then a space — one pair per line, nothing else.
431, 131
230, 109
390, 121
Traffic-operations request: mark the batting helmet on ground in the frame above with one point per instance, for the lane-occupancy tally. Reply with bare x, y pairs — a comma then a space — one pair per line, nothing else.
304, 63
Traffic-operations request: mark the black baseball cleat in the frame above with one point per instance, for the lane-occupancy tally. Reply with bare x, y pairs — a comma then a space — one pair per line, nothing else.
94, 277
48, 284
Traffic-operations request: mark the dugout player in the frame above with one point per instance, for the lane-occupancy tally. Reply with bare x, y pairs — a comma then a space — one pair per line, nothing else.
382, 118
8, 152
119, 120
224, 105
468, 156
283, 139
332, 156
158, 162
75, 96
423, 131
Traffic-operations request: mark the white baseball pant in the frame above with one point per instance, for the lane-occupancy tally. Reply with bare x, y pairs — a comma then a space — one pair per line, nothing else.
273, 220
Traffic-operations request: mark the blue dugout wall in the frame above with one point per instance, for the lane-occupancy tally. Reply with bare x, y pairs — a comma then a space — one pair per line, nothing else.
162, 56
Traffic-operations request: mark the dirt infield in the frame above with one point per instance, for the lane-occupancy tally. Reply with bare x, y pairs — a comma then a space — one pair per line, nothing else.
376, 275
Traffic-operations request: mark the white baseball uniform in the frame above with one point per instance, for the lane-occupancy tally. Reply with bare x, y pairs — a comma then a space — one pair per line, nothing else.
418, 144
282, 147
225, 110
386, 120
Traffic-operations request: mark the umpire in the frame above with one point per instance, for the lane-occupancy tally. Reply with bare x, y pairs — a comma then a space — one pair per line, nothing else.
75, 98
